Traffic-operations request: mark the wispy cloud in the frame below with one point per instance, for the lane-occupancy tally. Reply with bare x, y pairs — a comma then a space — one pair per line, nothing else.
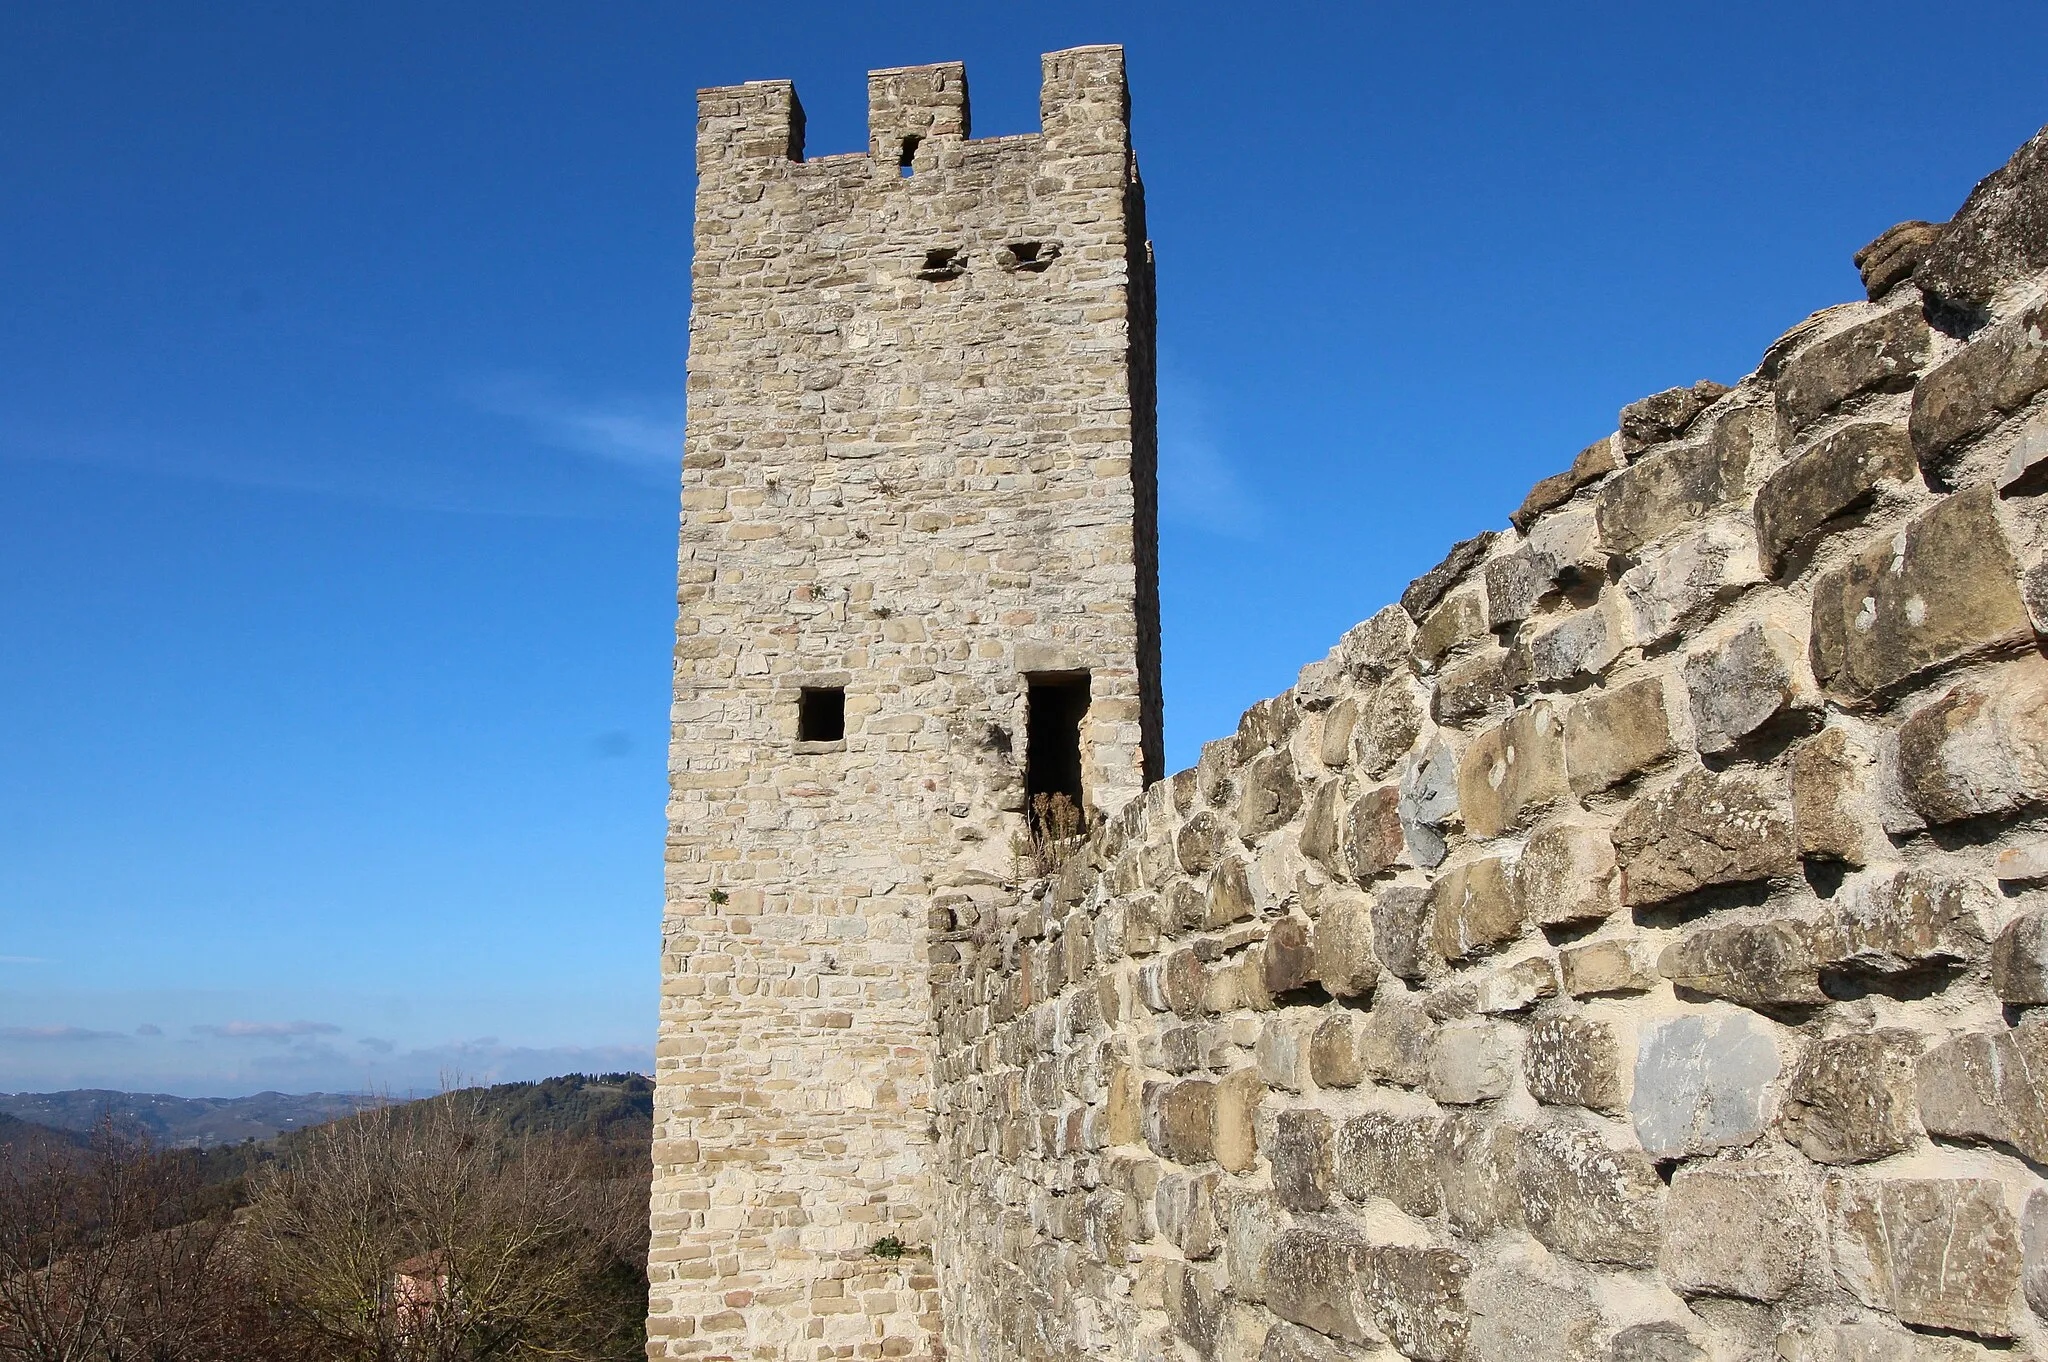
640, 433
149, 1029
255, 1030
23, 960
1198, 484
56, 1033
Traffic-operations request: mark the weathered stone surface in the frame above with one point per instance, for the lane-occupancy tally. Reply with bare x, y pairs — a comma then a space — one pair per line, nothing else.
1196, 1307
1659, 1341
2034, 1250
1401, 930
1567, 874
1336, 1055
1373, 839
1873, 1343
1980, 749
1905, 920
1384, 1154
1999, 235
1178, 1119
1879, 354
2001, 367
1288, 960
1594, 462
1704, 830
1990, 1085
2019, 960
1943, 1253
1666, 415
1581, 645
1473, 909
1426, 590
1702, 1082
2026, 465
1561, 550
1891, 259
1322, 826
1428, 802
1837, 474
1271, 797
1511, 771
1333, 738
2023, 864
1389, 721
1831, 781
1673, 488
1251, 1220
1457, 621
1416, 1297
1943, 588
1379, 645
1757, 964
1739, 682
1292, 1343
1575, 1060
1308, 1277
1515, 987
1395, 1045
1236, 1103
1749, 1229
1476, 1162
1185, 1208
1615, 734
1531, 1307
1266, 725
1588, 1200
1469, 1062
1851, 1098
1303, 1160
1200, 842
1615, 966
1233, 893
1688, 579
1343, 958
1481, 686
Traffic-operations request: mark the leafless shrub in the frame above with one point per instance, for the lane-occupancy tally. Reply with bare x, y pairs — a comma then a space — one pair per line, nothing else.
1054, 831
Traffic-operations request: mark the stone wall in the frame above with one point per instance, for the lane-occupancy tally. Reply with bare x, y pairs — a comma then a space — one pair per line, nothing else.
1633, 945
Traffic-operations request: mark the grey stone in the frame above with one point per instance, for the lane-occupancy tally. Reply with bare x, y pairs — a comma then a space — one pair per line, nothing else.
1982, 748
1614, 966
1997, 372
1581, 645
1308, 1280
1574, 1060
1999, 235
1196, 1307
1587, 1200
1830, 798
1851, 1097
1879, 354
1512, 771
2023, 864
1456, 622
1199, 844
1567, 875
1943, 588
1379, 645
1989, 1085
1704, 830
1740, 682
1482, 686
1389, 721
1336, 1057
2019, 960
1250, 1221
1666, 415
1702, 1083
1941, 1253
1395, 1044
1271, 796
1233, 894
1426, 590
1292, 1343
1906, 920
1473, 909
1185, 1208
2034, 1250
2026, 463
1749, 1229
1685, 581
1303, 1159
1531, 1307
1891, 259
1561, 551
1677, 486
1659, 1341
1469, 1062
1178, 1117
1594, 462
1390, 1155
1772, 963
1401, 931
1476, 1164
1417, 1297
1839, 473
1342, 952
1617, 734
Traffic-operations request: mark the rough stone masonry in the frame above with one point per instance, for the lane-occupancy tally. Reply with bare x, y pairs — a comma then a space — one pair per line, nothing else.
1633, 945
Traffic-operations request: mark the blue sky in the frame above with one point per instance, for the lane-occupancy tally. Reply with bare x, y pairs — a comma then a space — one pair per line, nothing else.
342, 384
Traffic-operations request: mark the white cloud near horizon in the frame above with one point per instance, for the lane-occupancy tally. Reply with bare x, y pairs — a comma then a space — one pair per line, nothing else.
1199, 486
253, 1030
640, 433
57, 1033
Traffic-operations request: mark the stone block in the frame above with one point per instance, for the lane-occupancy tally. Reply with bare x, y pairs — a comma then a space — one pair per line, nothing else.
1578, 647
1706, 829
1943, 588
1481, 686
1594, 462
1616, 734
1425, 591
1199, 843
1271, 795
1415, 1296
1998, 236
1587, 1200
1879, 354
1990, 1085
1459, 620
1890, 260
1515, 987
1292, 1343
1560, 550
1185, 1209
1288, 961
1838, 474
1233, 1108
2019, 960
1282, 1049
2034, 1250
1739, 682
1685, 581
1395, 1043
1666, 415
1233, 893
1342, 955
1831, 792
1309, 1274
2026, 463
1851, 1097
1333, 738
1178, 1119
1758, 964
1473, 909
1573, 1060
1627, 965
1676, 487
1428, 802
1336, 1051
1531, 1307
1401, 931
1657, 1341
1512, 771
1940, 1253
1379, 645
1982, 748
1322, 827
1250, 1222
1897, 922
1373, 838
1748, 1229
1702, 1083
2023, 864
1567, 875
1390, 1155
1303, 1157
1470, 1062
1389, 721
1477, 1160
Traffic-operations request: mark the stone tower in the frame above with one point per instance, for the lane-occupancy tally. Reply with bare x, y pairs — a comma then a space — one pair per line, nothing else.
918, 586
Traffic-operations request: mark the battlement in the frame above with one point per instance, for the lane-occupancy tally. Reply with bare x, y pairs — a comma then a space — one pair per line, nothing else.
919, 117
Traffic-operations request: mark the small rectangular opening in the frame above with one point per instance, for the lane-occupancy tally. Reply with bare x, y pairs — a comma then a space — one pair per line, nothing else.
905, 156
821, 714
1055, 706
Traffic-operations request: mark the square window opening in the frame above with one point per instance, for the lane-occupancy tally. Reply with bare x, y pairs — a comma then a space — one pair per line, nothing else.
821, 714
905, 154
1055, 706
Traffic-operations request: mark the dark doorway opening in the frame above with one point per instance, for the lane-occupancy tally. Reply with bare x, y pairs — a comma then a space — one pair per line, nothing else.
1056, 705
821, 714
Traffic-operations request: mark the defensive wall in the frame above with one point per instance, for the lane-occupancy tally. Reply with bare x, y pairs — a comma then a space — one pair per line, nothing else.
1631, 945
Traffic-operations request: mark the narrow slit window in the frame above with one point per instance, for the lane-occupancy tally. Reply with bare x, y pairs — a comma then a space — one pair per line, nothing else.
1055, 706
821, 714
905, 155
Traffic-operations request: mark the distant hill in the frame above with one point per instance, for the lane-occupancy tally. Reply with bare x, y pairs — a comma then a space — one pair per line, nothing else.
181, 1122
27, 1142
